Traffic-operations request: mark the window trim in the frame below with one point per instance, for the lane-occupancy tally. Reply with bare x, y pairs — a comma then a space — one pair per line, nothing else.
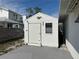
47, 26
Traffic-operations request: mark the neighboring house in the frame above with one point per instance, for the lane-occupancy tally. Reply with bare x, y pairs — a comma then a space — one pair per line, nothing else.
69, 17
11, 25
10, 19
41, 30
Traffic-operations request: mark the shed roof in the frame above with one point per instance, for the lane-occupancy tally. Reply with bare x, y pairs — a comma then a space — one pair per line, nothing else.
40, 15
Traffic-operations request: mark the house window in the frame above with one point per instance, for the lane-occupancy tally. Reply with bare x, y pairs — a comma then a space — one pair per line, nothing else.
48, 27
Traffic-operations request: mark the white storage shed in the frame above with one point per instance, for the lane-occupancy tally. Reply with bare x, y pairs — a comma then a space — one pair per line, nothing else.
41, 30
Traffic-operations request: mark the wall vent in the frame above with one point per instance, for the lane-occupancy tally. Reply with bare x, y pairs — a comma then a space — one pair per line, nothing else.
39, 17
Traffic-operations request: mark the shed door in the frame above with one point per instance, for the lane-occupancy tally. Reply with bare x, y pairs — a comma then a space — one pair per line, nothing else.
34, 34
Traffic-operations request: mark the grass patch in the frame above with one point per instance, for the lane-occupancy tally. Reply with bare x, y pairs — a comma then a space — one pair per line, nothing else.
10, 45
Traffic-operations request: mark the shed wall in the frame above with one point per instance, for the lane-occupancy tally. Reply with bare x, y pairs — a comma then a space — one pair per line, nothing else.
47, 39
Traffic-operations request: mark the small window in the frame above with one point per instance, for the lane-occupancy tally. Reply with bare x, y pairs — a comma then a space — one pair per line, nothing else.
48, 27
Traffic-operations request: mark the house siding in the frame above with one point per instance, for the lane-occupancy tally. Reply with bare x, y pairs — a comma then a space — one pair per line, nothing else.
14, 16
72, 31
4, 13
11, 27
8, 15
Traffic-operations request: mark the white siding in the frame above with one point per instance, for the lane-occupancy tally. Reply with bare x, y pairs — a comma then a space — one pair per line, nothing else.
11, 17
4, 13
50, 39
47, 39
25, 30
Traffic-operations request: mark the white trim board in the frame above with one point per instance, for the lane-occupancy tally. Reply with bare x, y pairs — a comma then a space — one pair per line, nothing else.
72, 50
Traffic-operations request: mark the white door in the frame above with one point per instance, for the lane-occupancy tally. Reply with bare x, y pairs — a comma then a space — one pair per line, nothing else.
34, 34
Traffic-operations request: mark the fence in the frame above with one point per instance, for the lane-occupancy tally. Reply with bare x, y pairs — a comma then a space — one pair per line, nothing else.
10, 34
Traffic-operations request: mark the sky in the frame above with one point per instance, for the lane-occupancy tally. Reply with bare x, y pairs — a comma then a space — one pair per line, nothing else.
50, 7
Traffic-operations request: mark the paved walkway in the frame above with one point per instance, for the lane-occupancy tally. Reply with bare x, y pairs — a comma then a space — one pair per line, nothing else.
32, 52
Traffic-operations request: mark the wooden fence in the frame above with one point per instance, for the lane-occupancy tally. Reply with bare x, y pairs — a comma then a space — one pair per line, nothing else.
10, 34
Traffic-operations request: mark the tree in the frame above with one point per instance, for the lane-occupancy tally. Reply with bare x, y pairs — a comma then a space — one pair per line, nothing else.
31, 11
37, 9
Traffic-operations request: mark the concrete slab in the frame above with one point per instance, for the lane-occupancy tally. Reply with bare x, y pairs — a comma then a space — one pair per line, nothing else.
33, 52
